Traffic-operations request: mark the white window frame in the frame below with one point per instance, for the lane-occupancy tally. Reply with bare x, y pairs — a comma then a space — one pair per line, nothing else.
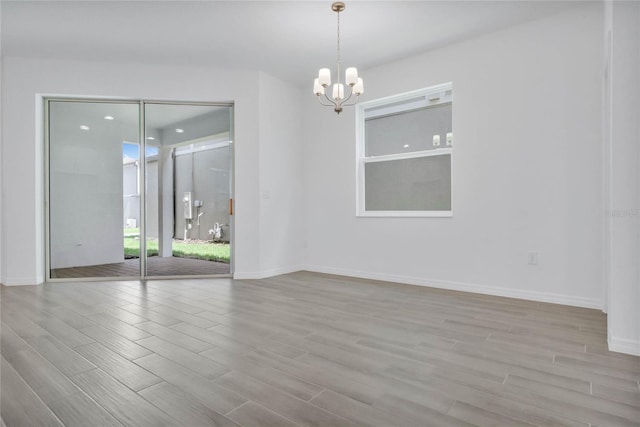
434, 95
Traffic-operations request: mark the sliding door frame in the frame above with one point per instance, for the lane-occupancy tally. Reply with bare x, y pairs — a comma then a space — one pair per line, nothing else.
142, 180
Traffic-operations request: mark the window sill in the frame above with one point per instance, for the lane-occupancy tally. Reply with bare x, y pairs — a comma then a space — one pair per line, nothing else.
405, 214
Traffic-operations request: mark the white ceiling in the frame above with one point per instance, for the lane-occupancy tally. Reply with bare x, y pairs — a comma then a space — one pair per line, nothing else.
289, 39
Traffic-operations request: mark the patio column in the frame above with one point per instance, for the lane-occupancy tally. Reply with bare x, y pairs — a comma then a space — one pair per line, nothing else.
165, 201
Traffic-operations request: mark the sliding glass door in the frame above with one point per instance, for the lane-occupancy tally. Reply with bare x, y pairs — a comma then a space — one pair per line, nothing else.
87, 200
188, 182
138, 189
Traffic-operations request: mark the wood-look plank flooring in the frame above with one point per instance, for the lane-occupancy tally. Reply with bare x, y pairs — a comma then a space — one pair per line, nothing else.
304, 349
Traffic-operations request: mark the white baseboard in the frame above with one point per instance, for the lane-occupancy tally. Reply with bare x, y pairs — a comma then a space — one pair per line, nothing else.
241, 275
624, 345
466, 287
21, 281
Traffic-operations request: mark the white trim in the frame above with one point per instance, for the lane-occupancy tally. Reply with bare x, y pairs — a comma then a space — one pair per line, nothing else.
466, 287
419, 98
406, 214
624, 345
409, 155
407, 101
359, 160
239, 275
22, 281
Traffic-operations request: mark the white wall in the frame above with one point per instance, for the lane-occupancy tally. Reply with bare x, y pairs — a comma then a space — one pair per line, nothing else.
282, 203
23, 80
526, 169
622, 176
269, 214
1, 192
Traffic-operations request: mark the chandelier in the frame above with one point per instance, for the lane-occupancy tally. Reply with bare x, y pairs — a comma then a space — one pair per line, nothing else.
341, 96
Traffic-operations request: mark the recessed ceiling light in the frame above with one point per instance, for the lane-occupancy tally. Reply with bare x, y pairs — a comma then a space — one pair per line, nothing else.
84, 127
150, 138
108, 117
405, 146
179, 130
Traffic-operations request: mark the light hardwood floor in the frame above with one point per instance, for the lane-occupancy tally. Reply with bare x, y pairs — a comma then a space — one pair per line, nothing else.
304, 349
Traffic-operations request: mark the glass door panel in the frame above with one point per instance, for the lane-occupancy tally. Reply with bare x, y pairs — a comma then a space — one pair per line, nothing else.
188, 181
93, 189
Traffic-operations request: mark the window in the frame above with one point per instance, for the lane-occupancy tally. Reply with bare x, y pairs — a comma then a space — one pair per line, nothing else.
404, 148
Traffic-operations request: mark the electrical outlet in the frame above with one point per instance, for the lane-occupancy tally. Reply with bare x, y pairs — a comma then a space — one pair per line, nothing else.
449, 139
532, 258
436, 140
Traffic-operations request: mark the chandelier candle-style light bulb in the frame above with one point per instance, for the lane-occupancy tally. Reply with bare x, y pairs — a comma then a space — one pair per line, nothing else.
351, 76
324, 77
338, 91
358, 88
340, 96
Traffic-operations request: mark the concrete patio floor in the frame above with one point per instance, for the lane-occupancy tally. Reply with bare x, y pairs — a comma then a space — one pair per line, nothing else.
156, 266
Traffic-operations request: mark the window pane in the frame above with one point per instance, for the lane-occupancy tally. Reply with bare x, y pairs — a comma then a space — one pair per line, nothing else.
407, 131
93, 149
418, 184
188, 189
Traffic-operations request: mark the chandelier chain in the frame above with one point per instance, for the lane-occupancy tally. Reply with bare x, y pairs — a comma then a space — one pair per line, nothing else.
338, 56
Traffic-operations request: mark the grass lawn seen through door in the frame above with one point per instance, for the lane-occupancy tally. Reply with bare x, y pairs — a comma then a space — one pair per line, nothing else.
197, 249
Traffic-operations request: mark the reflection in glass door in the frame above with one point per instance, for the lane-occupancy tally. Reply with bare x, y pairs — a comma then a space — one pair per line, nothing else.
88, 193
187, 170
112, 197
